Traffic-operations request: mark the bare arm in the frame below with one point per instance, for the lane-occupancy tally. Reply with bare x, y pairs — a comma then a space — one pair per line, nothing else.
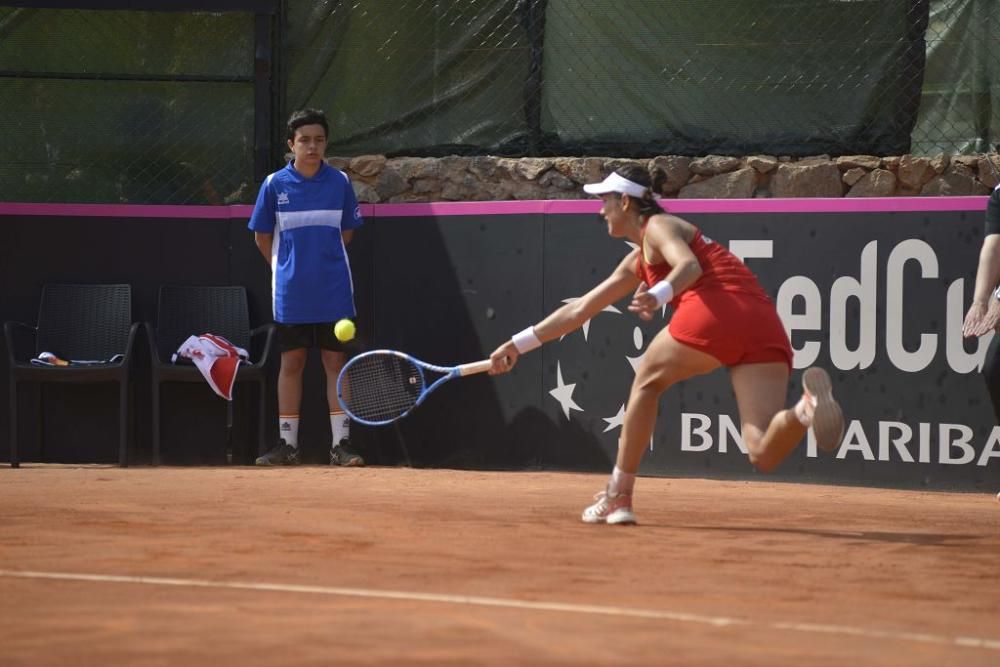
263, 242
984, 313
572, 316
667, 241
347, 234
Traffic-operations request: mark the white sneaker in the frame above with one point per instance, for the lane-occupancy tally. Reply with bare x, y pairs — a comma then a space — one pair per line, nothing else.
610, 509
822, 410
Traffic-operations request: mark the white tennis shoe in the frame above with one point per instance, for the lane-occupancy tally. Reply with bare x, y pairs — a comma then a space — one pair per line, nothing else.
610, 509
822, 410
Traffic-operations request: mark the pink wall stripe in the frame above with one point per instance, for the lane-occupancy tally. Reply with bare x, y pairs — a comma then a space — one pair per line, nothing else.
125, 210
680, 206
538, 207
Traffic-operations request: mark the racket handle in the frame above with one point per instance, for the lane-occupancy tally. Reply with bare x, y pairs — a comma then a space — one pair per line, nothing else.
474, 367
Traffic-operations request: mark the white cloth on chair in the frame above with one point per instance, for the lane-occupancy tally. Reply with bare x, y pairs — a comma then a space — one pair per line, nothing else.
216, 358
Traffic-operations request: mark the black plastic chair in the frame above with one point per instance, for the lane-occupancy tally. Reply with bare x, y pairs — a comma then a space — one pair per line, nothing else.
75, 322
184, 311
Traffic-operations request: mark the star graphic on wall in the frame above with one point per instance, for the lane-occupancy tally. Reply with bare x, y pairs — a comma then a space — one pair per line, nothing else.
564, 393
616, 421
635, 361
638, 342
586, 325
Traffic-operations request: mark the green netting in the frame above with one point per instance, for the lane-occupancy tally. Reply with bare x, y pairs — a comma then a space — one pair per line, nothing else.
960, 106
732, 76
160, 106
410, 77
126, 106
123, 42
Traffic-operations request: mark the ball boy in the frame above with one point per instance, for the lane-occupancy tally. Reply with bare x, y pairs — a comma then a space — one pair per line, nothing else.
305, 215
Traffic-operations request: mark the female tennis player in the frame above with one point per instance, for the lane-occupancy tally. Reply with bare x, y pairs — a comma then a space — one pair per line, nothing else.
722, 317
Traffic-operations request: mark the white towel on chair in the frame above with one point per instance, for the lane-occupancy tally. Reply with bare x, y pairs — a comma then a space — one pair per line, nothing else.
216, 358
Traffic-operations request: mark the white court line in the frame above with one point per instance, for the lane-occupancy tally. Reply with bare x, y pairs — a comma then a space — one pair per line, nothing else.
600, 610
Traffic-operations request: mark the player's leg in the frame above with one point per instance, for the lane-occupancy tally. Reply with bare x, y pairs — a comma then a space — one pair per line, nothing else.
666, 362
333, 362
760, 382
293, 364
334, 357
290, 373
294, 339
769, 432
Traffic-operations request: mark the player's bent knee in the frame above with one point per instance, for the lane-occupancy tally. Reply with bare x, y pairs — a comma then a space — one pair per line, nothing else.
651, 383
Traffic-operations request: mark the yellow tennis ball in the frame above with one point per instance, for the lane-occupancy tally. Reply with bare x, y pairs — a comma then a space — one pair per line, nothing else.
344, 330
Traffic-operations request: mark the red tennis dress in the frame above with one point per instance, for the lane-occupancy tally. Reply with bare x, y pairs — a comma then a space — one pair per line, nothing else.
726, 313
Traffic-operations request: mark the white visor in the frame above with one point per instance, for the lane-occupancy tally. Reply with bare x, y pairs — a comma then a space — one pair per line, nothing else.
616, 183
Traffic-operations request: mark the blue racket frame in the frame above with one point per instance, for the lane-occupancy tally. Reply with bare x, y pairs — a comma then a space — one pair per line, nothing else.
448, 373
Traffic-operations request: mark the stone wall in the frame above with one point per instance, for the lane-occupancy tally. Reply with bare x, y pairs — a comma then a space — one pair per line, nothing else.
485, 178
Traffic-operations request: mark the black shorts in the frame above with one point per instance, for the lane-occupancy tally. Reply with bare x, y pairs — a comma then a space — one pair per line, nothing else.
297, 336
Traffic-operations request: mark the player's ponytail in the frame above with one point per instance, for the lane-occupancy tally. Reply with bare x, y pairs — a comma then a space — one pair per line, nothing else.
648, 205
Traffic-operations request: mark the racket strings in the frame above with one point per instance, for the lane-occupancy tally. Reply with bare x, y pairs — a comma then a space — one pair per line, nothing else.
382, 387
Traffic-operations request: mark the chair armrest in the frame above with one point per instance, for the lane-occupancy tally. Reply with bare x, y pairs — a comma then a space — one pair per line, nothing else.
14, 333
261, 342
154, 350
133, 330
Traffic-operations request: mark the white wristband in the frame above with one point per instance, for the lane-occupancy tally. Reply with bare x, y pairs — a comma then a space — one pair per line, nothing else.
663, 291
526, 341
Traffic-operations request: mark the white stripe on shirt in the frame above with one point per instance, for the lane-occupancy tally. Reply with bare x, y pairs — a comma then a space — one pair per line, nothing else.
298, 219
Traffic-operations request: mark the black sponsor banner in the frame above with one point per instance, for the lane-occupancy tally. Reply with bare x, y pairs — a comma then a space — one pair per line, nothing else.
145, 252
876, 298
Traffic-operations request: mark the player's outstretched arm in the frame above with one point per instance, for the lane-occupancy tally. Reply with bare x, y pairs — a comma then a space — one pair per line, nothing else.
569, 317
573, 315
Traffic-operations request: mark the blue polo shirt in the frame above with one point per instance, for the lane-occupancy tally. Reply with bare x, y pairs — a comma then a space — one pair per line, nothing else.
310, 274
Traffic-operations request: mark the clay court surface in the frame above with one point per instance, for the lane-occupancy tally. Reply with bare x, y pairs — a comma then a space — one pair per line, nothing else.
396, 566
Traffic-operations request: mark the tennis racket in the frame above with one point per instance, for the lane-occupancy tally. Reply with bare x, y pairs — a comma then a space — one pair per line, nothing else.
378, 387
